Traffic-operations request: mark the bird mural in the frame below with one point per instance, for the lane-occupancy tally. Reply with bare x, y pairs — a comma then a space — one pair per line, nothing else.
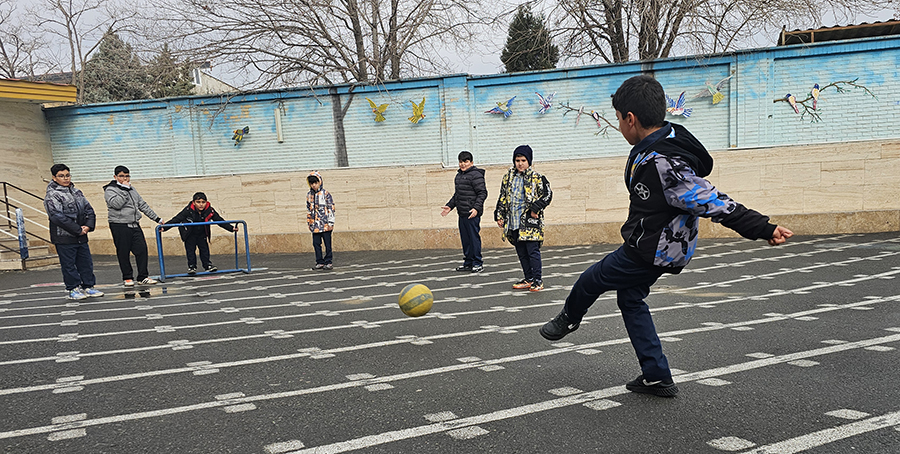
676, 108
578, 117
792, 100
378, 110
713, 90
596, 116
815, 95
504, 108
239, 134
418, 111
546, 103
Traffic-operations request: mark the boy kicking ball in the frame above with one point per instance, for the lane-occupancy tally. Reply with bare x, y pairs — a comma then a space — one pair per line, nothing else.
665, 180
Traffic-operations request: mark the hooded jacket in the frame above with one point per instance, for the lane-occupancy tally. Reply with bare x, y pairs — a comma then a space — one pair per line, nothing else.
190, 214
68, 210
668, 193
319, 207
538, 196
125, 205
471, 191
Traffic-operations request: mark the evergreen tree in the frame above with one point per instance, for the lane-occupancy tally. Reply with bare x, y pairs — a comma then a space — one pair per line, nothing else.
169, 78
114, 73
528, 46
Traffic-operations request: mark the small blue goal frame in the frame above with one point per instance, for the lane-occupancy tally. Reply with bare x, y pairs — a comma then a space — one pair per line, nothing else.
162, 264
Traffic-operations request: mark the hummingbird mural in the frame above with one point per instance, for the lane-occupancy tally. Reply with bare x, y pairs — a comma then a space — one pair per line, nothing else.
504, 108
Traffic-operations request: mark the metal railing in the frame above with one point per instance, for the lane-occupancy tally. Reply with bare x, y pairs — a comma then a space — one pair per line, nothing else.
16, 217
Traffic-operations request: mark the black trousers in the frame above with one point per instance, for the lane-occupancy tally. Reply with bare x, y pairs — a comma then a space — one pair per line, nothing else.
130, 240
193, 242
318, 239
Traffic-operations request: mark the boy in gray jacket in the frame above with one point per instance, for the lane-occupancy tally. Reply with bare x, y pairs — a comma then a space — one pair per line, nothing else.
125, 208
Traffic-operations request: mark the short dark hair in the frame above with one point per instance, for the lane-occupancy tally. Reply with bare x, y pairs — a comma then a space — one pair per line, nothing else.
644, 97
121, 169
199, 195
465, 156
312, 179
58, 168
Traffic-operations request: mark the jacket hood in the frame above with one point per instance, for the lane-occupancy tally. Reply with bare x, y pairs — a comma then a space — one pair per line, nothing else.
316, 174
680, 142
471, 169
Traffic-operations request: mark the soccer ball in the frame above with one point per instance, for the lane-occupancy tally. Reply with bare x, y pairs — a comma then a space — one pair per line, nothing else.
415, 300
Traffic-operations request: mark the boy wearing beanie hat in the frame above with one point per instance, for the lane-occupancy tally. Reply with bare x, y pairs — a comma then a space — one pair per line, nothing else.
524, 194
196, 237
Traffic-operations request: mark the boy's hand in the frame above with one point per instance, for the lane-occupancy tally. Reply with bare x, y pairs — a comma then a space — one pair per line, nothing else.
500, 223
445, 210
780, 235
472, 213
234, 229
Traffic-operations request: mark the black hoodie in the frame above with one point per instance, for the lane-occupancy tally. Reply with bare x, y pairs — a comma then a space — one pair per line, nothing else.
664, 177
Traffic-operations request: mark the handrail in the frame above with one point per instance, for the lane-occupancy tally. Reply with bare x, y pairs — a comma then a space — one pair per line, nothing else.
26, 205
14, 205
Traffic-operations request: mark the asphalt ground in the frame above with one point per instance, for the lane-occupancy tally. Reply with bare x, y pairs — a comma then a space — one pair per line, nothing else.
775, 349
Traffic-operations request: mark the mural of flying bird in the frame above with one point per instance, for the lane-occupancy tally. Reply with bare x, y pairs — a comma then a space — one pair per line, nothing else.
677, 107
418, 111
504, 108
596, 117
377, 110
713, 90
815, 95
793, 101
546, 103
239, 134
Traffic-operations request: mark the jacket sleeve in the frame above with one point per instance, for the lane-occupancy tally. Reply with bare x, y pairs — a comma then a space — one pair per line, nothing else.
90, 218
544, 200
329, 204
216, 217
179, 218
114, 199
687, 191
502, 208
480, 191
145, 208
54, 212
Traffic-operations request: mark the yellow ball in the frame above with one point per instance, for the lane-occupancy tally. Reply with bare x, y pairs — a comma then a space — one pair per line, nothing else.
415, 300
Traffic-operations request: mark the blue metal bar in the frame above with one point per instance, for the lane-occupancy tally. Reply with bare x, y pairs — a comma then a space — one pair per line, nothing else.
159, 248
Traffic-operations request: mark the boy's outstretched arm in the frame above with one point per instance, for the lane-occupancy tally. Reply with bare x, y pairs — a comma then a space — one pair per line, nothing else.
780, 235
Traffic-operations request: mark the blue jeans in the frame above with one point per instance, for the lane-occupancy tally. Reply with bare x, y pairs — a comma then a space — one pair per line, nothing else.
77, 265
529, 253
318, 239
470, 237
632, 282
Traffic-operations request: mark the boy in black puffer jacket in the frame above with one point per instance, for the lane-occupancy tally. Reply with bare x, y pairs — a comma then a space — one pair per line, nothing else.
197, 236
468, 199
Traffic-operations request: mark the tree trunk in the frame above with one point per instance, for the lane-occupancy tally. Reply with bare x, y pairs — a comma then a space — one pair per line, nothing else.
340, 139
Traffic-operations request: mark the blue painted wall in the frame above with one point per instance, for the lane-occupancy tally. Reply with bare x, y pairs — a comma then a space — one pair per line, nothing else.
192, 136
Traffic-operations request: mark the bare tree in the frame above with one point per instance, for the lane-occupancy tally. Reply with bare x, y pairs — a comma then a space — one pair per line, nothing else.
316, 42
616, 31
19, 48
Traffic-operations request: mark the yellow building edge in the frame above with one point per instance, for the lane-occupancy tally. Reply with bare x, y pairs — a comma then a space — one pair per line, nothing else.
40, 92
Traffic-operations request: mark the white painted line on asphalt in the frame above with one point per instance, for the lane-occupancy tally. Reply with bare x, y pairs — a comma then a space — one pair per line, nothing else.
66, 434
880, 348
601, 404
439, 417
467, 432
759, 355
730, 444
846, 413
830, 435
803, 363
714, 382
282, 447
565, 391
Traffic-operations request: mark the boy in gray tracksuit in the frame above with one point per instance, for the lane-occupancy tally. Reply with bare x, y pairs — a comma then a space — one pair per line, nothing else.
125, 208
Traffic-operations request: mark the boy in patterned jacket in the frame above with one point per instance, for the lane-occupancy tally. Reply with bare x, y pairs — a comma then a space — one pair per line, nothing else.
320, 217
667, 192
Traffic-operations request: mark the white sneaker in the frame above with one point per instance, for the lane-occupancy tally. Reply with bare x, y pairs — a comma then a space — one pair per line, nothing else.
91, 292
76, 294
149, 281
129, 282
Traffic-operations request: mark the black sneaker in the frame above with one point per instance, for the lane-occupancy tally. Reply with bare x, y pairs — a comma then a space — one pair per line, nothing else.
557, 328
328, 267
661, 388
477, 269
465, 268
212, 269
192, 270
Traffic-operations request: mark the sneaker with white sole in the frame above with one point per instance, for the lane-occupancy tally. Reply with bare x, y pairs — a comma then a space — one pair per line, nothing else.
76, 294
92, 292
149, 281
192, 270
212, 269
557, 328
129, 283
661, 388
